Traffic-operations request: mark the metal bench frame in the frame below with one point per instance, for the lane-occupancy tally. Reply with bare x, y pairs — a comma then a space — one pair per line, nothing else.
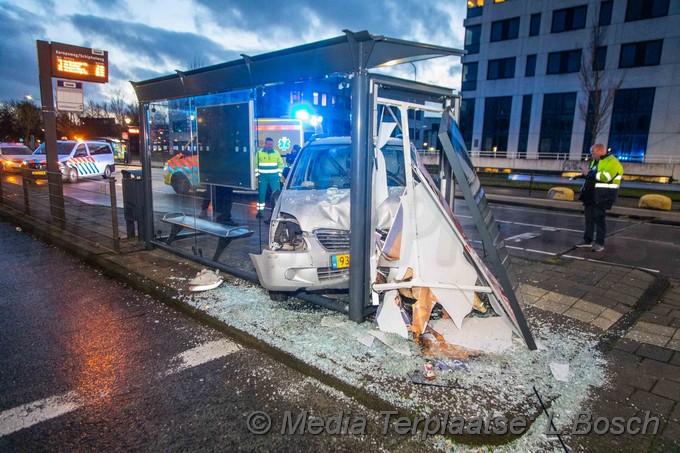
225, 233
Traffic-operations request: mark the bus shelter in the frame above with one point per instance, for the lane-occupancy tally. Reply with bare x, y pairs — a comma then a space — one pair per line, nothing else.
203, 127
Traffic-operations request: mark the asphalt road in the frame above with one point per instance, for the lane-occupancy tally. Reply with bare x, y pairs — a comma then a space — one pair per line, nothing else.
87, 364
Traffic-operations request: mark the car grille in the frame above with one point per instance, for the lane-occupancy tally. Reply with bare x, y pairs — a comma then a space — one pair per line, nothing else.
333, 240
328, 273
35, 166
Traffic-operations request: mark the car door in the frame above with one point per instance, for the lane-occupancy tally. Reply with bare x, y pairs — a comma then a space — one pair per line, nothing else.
101, 155
82, 161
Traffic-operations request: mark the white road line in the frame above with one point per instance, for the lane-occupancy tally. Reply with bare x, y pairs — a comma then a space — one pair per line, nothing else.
27, 415
21, 417
202, 354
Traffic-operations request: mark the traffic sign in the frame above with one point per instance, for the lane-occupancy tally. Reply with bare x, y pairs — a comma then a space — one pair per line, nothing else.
70, 96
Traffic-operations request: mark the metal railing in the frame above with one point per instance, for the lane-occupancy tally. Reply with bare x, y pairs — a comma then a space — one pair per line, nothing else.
671, 159
90, 212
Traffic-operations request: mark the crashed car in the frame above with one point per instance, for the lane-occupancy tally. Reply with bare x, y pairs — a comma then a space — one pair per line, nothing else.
309, 230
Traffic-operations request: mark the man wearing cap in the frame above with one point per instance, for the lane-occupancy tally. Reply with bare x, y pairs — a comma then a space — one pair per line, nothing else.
268, 171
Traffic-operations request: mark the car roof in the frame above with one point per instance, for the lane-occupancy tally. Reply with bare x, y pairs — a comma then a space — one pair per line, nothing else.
344, 141
15, 144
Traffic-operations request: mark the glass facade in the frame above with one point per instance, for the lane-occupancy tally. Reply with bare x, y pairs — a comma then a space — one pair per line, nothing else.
557, 122
467, 118
631, 117
496, 125
524, 124
469, 82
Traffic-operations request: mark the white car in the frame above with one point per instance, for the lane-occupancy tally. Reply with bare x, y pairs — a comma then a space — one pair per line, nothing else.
76, 160
309, 233
12, 155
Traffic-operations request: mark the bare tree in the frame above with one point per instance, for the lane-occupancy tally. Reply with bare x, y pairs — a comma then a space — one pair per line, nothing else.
117, 107
600, 86
27, 118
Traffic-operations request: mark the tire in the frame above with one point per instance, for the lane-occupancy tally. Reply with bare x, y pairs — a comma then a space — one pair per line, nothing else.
180, 184
278, 296
107, 172
72, 175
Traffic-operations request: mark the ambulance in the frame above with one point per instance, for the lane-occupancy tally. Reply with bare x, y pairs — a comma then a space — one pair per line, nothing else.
182, 170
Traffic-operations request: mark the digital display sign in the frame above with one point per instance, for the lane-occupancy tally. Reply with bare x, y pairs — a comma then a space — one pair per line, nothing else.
80, 63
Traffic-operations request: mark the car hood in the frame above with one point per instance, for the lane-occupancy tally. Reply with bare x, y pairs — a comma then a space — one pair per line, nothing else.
41, 159
329, 208
15, 157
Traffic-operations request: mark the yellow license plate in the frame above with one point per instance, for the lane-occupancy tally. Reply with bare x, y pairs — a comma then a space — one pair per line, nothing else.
38, 173
340, 261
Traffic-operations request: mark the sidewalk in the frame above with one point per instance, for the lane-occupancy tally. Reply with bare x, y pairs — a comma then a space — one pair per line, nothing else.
617, 328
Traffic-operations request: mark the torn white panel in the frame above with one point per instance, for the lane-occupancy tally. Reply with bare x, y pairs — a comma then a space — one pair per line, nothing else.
490, 335
458, 304
389, 316
560, 371
393, 342
379, 179
366, 339
385, 133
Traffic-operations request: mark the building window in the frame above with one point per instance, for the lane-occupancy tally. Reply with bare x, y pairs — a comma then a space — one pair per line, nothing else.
324, 100
535, 24
530, 70
601, 58
505, 29
557, 122
646, 9
469, 77
569, 19
467, 120
524, 123
503, 68
295, 97
645, 53
472, 38
475, 8
564, 62
631, 117
496, 125
605, 13
315, 98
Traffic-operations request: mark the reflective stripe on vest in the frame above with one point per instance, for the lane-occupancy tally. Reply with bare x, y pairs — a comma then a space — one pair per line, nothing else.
602, 185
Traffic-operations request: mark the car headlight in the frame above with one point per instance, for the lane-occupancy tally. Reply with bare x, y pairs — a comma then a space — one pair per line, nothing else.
287, 234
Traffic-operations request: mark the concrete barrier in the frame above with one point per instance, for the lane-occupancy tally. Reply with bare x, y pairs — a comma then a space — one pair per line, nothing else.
655, 201
561, 193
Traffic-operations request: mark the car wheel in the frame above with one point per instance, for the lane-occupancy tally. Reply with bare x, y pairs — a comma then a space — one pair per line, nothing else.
73, 175
107, 172
180, 184
278, 296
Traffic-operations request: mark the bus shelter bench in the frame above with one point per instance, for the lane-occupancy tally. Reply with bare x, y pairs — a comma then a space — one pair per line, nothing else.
225, 233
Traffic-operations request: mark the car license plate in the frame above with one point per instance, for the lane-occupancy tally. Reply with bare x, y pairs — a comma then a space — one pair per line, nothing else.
38, 173
340, 261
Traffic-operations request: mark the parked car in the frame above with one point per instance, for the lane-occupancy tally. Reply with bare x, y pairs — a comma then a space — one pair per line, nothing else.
12, 155
309, 233
76, 160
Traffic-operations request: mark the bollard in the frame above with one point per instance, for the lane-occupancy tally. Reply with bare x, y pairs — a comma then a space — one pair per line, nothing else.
655, 201
114, 215
24, 183
561, 193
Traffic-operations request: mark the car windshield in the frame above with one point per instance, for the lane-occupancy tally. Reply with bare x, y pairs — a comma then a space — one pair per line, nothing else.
63, 149
15, 151
321, 167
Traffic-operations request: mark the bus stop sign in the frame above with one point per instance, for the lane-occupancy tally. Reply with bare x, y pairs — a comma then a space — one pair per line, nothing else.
79, 63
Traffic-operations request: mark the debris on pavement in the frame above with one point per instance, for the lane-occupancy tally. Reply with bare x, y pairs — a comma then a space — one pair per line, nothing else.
206, 280
560, 371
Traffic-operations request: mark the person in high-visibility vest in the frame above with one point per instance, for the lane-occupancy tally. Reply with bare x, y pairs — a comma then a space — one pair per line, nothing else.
268, 171
599, 192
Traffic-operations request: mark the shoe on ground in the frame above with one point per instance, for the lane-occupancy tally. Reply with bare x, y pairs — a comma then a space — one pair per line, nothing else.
205, 280
583, 244
598, 248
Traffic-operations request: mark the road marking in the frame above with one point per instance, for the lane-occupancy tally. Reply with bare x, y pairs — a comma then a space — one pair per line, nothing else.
202, 354
27, 415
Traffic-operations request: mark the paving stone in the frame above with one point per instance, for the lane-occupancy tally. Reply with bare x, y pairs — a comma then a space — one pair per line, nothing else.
657, 405
668, 389
559, 298
654, 318
661, 309
588, 307
646, 337
602, 323
671, 432
675, 323
663, 331
533, 290
654, 352
622, 357
675, 314
550, 305
621, 308
674, 345
610, 314
634, 376
616, 392
675, 360
628, 345
579, 314
660, 369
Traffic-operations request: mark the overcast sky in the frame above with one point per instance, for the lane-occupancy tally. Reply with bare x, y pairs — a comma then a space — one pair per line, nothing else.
150, 38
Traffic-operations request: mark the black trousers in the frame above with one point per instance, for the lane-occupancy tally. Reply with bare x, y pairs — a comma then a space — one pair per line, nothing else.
596, 227
221, 199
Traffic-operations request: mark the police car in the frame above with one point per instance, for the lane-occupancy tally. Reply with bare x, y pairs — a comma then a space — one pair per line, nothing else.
76, 160
12, 156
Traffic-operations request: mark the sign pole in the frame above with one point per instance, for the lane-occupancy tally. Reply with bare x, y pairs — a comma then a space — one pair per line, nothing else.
54, 178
